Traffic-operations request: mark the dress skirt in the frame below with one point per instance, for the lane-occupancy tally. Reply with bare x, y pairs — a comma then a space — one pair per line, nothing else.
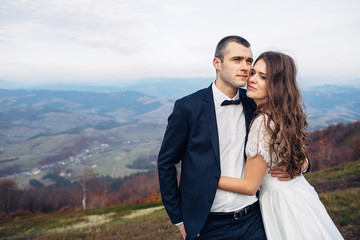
293, 210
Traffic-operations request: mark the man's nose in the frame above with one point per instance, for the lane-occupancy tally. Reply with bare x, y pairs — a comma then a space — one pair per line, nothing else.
245, 66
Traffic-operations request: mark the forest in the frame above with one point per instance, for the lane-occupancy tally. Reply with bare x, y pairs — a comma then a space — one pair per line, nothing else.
335, 145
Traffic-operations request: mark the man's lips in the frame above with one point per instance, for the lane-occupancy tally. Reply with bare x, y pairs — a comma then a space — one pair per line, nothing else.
242, 75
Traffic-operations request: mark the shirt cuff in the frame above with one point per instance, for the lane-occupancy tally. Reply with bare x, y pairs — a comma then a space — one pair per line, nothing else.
306, 166
178, 224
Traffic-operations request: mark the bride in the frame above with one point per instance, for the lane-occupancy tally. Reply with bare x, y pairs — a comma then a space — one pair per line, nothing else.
290, 209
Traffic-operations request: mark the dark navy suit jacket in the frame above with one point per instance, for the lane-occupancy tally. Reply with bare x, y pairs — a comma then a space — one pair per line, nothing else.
192, 138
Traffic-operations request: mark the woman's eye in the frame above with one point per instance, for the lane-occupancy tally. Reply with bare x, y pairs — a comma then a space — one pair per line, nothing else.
252, 73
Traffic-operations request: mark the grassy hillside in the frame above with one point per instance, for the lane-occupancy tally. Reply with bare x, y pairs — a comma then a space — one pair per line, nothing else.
120, 222
107, 151
329, 175
339, 190
65, 131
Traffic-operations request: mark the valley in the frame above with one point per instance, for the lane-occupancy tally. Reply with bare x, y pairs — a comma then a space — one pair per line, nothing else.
115, 131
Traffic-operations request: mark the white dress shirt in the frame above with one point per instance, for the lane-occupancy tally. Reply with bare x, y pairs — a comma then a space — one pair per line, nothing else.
232, 132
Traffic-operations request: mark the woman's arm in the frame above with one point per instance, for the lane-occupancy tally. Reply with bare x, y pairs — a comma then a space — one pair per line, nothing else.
255, 169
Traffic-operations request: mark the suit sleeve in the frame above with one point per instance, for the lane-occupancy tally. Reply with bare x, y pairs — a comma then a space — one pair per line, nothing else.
172, 150
308, 166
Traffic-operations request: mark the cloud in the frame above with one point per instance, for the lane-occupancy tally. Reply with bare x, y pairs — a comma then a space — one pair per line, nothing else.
88, 39
108, 24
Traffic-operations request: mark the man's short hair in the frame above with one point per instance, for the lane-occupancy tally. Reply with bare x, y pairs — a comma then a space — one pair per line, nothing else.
220, 48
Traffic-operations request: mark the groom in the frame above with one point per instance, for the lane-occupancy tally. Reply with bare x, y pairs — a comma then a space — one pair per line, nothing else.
207, 132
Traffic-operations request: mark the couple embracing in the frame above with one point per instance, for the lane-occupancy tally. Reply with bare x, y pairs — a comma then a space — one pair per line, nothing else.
230, 143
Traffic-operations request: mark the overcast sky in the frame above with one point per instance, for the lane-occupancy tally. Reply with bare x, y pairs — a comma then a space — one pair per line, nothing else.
116, 40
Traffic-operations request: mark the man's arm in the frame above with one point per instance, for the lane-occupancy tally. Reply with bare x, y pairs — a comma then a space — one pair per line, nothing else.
171, 152
275, 171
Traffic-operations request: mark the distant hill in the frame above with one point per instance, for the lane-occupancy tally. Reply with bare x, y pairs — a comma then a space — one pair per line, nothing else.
325, 104
158, 87
27, 113
43, 131
116, 130
330, 104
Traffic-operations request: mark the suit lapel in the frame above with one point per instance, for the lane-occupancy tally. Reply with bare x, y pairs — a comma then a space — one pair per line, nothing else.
210, 115
249, 108
247, 111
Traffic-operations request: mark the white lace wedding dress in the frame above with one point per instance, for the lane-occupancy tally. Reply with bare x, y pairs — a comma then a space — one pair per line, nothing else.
292, 209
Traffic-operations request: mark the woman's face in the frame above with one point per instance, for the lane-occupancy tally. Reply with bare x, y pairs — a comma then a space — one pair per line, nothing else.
257, 83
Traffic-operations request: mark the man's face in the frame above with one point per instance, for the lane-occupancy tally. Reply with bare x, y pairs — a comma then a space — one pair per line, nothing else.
234, 71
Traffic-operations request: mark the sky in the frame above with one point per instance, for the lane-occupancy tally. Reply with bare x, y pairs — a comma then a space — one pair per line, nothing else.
111, 41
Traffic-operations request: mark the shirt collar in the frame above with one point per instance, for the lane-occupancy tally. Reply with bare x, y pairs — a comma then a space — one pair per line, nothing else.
219, 96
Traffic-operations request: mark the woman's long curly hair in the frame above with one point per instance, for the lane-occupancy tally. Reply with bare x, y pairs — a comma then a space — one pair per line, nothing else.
284, 109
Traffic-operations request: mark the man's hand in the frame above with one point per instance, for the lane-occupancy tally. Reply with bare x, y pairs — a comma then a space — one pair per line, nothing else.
275, 171
182, 230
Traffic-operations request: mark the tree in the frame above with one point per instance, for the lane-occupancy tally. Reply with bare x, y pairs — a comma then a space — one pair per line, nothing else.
9, 195
84, 179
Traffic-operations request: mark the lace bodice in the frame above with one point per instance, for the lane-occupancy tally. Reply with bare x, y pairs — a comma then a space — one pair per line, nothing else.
259, 144
259, 139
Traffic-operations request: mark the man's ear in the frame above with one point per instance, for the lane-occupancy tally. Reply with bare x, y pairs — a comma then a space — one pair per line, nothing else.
217, 63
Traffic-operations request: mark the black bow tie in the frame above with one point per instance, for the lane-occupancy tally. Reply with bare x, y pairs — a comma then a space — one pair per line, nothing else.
229, 102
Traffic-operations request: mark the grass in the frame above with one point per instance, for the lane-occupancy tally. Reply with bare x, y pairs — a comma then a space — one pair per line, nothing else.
65, 225
153, 226
343, 206
343, 171
344, 209
23, 226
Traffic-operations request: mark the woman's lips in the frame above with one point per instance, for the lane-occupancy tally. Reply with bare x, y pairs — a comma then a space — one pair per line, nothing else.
251, 88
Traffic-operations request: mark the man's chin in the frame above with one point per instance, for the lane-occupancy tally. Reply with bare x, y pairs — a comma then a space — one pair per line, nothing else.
241, 83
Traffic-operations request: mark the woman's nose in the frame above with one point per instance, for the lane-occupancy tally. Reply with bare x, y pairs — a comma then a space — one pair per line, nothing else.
252, 78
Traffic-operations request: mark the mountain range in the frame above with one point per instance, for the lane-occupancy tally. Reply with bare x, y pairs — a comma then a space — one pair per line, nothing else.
113, 129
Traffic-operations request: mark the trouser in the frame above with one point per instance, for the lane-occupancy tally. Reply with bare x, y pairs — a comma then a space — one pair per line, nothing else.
249, 226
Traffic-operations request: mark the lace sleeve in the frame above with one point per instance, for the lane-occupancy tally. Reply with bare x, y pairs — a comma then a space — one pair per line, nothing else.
258, 140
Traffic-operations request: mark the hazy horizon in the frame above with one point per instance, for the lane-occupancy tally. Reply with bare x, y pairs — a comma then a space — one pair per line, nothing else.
303, 83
